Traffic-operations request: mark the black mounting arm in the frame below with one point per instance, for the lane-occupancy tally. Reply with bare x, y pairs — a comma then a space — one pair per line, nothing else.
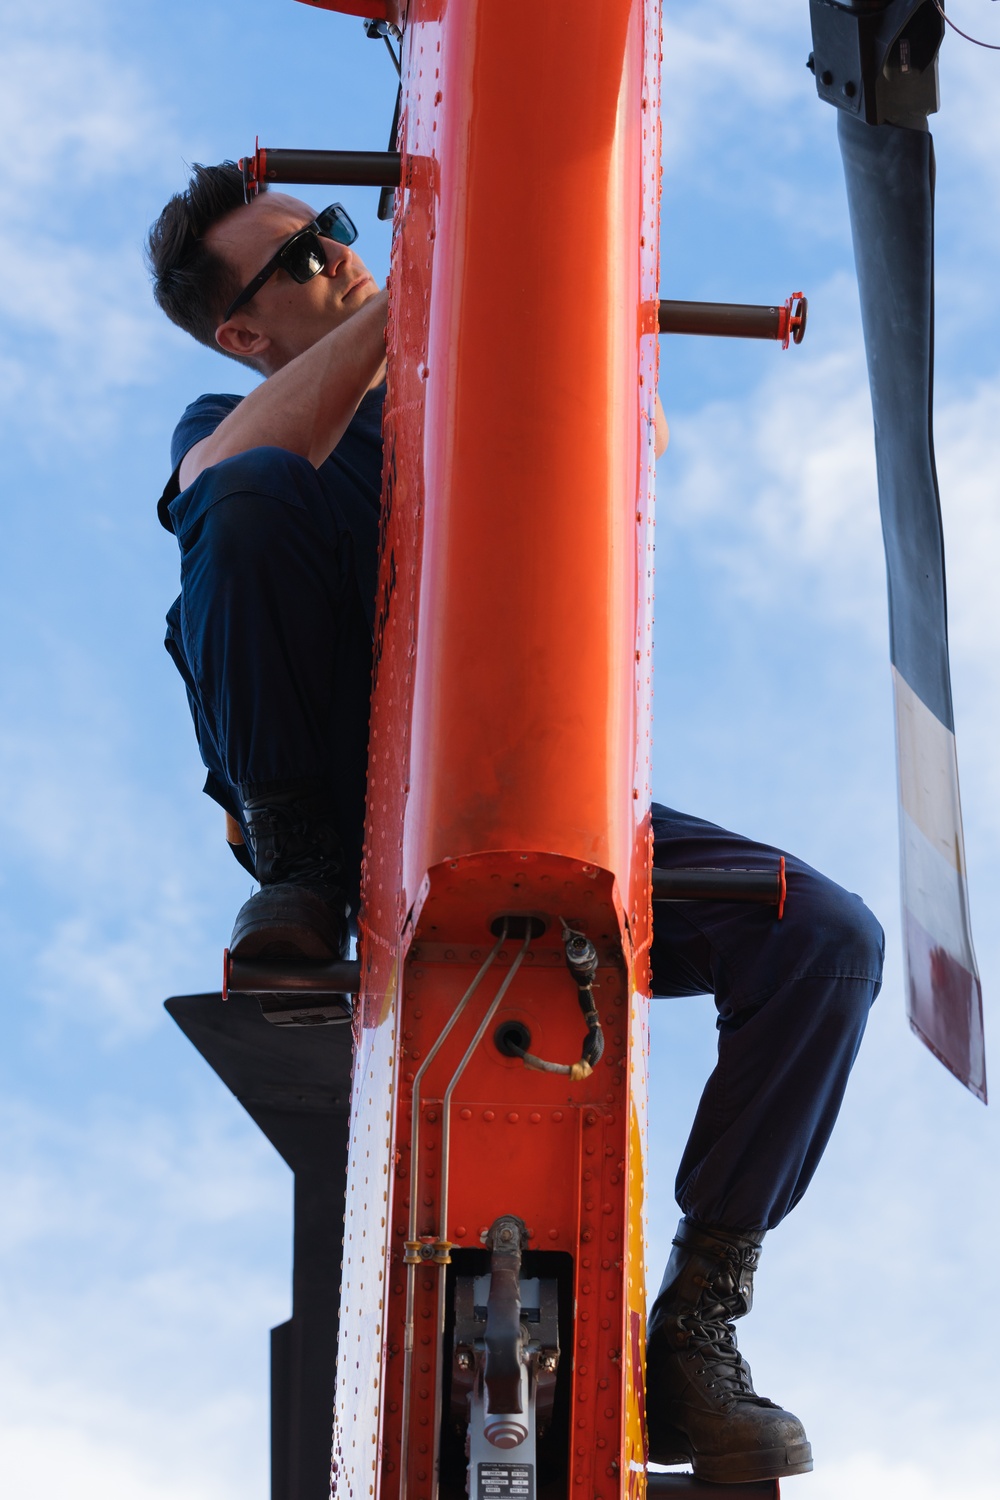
877, 59
504, 1338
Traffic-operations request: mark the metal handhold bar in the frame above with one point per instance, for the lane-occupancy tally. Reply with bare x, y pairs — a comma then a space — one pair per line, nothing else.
262, 976
338, 168
505, 1240
664, 1486
738, 320
767, 886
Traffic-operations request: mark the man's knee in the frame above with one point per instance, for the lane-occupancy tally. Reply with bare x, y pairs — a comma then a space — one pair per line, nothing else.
870, 939
842, 936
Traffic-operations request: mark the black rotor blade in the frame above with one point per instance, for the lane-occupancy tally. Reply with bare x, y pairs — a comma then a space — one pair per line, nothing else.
890, 189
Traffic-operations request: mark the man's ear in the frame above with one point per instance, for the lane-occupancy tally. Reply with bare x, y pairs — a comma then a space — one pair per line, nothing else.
236, 338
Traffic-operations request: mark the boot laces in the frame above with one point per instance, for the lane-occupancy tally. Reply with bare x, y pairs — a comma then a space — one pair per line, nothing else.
711, 1335
295, 847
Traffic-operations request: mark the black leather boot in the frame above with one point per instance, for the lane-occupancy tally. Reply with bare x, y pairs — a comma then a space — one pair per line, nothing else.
701, 1406
300, 911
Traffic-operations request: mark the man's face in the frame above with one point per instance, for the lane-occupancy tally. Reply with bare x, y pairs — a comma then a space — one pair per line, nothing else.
290, 315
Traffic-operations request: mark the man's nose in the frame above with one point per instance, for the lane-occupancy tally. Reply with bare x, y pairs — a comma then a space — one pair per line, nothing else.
335, 254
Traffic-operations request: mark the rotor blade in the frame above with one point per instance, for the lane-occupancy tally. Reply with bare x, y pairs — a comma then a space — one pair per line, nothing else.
890, 190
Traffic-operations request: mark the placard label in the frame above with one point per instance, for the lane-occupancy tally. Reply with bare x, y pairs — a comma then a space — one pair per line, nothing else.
506, 1482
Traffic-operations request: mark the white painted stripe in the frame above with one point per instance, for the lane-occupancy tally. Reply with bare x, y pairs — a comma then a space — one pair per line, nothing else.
935, 893
928, 773
944, 997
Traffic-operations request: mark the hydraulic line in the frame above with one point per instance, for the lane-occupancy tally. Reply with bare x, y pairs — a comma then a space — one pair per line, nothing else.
445, 1152
411, 1265
449, 1091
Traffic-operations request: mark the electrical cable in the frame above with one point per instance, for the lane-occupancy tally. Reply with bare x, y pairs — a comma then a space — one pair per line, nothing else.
581, 960
990, 46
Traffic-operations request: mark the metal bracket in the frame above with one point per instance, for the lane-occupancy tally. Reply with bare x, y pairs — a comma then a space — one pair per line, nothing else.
878, 61
502, 1369
538, 1333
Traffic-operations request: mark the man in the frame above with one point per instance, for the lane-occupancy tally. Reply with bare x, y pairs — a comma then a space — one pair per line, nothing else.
274, 501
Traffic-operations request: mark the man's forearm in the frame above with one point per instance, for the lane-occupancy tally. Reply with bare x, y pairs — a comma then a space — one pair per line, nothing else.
307, 405
662, 431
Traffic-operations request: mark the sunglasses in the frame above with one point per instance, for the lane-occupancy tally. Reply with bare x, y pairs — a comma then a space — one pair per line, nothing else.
302, 256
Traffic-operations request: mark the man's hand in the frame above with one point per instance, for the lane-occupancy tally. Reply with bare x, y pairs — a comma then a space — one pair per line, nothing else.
305, 406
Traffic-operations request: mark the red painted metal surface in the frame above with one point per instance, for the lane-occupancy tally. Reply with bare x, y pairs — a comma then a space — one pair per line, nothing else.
522, 374
524, 717
376, 10
553, 1152
509, 751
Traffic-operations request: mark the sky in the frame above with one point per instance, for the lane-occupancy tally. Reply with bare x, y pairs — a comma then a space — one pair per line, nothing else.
145, 1224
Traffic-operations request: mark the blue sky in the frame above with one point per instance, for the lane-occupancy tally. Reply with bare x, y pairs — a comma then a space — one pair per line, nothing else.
145, 1228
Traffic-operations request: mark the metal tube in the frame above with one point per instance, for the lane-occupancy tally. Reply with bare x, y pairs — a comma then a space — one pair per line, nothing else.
737, 320
411, 1270
724, 319
260, 976
338, 168
719, 885
663, 1486
445, 1152
449, 1091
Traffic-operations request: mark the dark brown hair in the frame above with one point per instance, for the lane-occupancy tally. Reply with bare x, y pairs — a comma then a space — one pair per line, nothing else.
192, 284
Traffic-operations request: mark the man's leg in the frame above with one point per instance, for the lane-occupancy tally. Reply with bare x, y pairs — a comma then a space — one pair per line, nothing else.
793, 998
273, 644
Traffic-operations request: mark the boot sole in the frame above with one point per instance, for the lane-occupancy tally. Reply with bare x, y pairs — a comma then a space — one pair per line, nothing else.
733, 1468
285, 922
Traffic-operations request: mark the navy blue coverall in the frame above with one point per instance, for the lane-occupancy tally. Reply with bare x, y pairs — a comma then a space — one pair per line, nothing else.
272, 634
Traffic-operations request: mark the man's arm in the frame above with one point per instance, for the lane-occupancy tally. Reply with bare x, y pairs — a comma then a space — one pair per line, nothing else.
307, 405
662, 431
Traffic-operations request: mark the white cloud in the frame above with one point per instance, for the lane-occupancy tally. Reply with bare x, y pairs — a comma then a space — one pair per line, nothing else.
722, 63
79, 115
149, 1255
779, 484
862, 1321
155, 925
771, 498
866, 1473
77, 325
968, 446
84, 1179
970, 105
39, 1456
743, 124
132, 892
776, 491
